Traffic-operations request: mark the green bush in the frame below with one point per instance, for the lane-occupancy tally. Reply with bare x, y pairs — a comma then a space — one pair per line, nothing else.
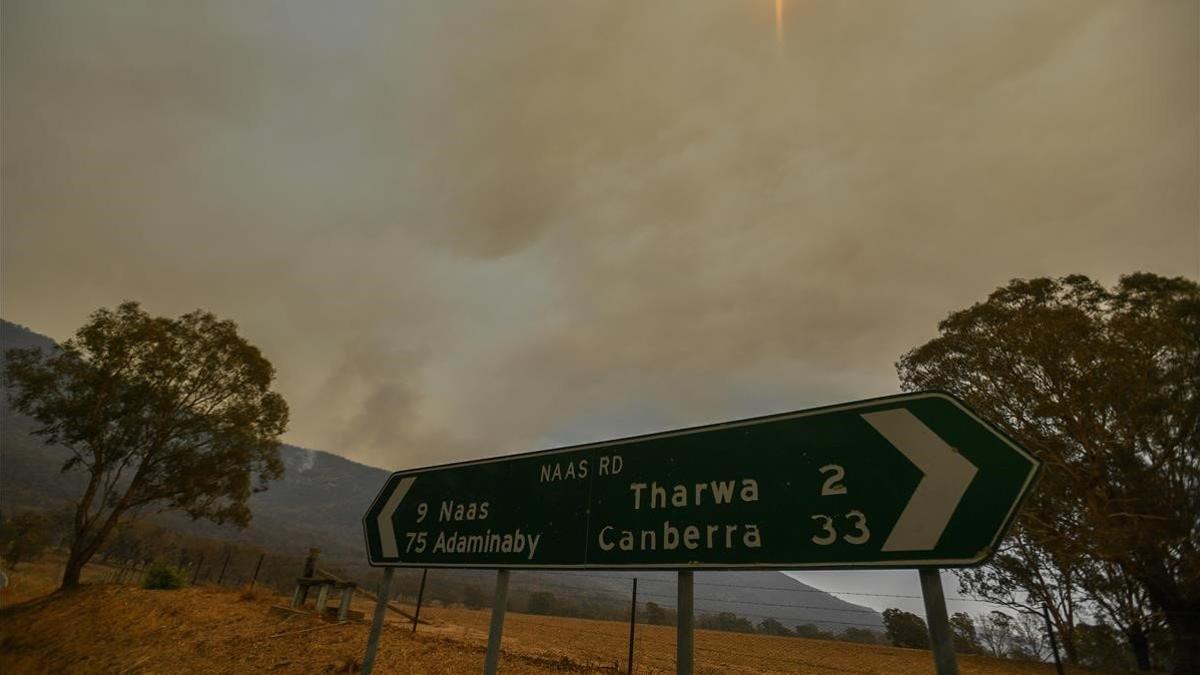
160, 575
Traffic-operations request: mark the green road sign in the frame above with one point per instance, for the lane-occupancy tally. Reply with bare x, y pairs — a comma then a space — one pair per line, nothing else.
904, 481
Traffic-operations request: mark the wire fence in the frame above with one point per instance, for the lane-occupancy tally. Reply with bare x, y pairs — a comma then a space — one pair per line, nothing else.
594, 608
231, 567
603, 636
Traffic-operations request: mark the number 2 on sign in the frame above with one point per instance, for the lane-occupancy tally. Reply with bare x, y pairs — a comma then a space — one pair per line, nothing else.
833, 482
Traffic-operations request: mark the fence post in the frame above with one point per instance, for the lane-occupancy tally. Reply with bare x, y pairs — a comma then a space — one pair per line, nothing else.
420, 596
499, 605
196, 573
221, 576
381, 601
310, 570
257, 567
684, 623
632, 623
941, 640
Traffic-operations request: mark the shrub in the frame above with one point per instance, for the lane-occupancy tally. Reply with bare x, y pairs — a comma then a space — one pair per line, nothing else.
542, 602
160, 575
905, 629
24, 537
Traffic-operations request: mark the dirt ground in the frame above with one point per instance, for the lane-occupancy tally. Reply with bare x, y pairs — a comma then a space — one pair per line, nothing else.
109, 628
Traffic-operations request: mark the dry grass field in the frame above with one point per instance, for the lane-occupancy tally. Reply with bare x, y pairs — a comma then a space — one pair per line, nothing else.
600, 642
107, 628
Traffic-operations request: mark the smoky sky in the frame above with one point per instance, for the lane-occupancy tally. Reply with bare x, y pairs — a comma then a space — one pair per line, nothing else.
468, 228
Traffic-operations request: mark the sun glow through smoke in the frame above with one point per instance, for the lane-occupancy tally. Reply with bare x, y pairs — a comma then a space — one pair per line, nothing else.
779, 22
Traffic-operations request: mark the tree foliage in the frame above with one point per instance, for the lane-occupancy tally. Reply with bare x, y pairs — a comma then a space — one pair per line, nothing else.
657, 615
772, 626
965, 638
905, 629
542, 602
163, 414
860, 635
1104, 386
726, 621
1101, 648
1029, 640
473, 597
812, 631
24, 537
995, 631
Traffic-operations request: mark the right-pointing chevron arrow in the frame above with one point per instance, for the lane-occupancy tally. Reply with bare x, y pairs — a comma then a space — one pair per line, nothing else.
946, 477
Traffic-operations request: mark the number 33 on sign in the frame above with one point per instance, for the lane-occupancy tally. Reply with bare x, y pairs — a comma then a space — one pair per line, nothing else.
856, 532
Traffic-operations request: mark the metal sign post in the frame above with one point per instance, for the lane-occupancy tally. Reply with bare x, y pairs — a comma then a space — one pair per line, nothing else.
420, 597
906, 481
684, 624
381, 601
941, 640
632, 623
499, 606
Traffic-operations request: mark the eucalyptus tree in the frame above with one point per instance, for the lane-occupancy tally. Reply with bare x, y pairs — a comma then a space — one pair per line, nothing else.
158, 413
1103, 384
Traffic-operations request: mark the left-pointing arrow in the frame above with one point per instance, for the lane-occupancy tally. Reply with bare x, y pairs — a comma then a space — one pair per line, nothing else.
387, 535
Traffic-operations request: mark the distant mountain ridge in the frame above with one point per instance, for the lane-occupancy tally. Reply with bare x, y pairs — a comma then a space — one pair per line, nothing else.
320, 502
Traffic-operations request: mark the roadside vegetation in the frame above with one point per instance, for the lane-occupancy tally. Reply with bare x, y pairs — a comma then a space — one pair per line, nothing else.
159, 414
1103, 385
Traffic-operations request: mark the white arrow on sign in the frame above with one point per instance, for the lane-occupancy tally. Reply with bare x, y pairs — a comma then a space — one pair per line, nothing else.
387, 534
946, 477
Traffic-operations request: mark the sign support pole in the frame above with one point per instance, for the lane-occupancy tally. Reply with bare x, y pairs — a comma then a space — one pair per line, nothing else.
685, 615
632, 623
941, 640
381, 602
499, 605
420, 596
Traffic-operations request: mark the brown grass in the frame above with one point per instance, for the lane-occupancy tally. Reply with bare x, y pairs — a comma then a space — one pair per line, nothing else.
106, 628
255, 594
599, 642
